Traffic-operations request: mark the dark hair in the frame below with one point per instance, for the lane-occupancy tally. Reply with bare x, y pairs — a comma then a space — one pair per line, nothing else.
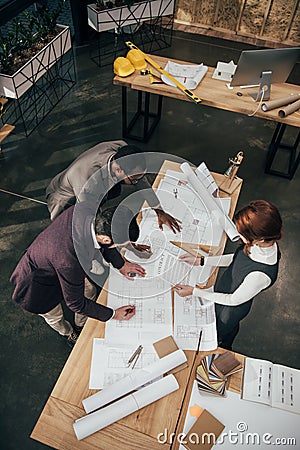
125, 230
130, 157
259, 220
103, 221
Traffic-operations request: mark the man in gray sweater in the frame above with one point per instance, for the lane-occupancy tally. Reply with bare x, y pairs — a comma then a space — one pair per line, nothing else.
104, 168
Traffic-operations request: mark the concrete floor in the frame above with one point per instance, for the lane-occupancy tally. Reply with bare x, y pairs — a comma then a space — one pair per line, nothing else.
32, 355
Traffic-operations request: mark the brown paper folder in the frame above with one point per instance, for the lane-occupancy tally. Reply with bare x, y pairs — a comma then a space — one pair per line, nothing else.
204, 433
166, 346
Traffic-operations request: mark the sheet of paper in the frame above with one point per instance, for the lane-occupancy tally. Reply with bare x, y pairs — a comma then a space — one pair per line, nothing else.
199, 225
153, 318
286, 388
98, 420
257, 424
258, 377
164, 265
189, 75
272, 384
191, 315
109, 364
207, 179
134, 380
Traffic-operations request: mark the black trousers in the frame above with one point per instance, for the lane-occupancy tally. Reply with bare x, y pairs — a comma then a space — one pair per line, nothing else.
228, 322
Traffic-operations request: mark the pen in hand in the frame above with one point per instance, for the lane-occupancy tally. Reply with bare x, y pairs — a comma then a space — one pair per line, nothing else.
129, 310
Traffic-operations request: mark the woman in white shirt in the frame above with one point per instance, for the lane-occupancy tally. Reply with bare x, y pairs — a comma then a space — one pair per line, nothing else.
251, 269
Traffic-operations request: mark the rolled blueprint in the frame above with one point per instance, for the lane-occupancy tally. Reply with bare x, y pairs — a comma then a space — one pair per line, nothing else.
267, 106
98, 420
289, 109
134, 381
211, 203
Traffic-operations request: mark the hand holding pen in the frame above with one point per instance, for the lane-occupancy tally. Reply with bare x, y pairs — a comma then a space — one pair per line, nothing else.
124, 312
183, 290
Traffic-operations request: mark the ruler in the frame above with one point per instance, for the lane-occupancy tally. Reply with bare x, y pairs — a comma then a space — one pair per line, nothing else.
156, 66
192, 248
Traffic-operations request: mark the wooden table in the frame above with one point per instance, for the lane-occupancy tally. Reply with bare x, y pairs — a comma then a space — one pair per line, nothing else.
139, 430
213, 93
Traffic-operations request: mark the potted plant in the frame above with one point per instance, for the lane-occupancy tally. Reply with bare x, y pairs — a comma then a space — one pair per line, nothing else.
129, 13
100, 5
33, 46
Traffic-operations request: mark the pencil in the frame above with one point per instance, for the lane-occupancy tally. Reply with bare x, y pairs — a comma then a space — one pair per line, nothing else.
199, 342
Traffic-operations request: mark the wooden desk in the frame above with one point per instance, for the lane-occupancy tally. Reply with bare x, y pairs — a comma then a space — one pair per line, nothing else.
139, 430
212, 93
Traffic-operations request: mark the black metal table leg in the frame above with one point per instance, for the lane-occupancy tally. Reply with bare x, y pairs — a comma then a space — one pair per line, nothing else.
276, 145
148, 120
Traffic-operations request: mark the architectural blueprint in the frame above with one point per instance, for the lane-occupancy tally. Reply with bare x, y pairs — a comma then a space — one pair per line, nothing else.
153, 317
178, 199
164, 265
191, 315
109, 364
152, 295
198, 227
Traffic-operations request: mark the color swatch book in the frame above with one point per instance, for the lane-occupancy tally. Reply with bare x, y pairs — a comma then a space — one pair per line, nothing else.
225, 364
209, 381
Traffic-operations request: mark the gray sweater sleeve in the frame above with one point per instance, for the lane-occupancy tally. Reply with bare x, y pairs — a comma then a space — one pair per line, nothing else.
148, 192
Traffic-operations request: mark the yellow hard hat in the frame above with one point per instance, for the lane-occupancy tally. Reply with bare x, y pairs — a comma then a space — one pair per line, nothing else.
123, 67
136, 59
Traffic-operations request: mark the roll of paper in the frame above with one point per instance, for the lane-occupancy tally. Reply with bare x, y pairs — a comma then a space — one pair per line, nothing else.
212, 203
273, 104
98, 420
134, 381
289, 109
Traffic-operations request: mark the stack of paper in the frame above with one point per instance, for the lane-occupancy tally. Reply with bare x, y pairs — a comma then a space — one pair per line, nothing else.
208, 380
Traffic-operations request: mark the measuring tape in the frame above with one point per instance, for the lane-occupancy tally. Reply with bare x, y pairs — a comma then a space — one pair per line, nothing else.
154, 79
156, 66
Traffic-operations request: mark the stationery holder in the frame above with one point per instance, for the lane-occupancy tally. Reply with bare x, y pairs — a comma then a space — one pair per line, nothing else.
231, 182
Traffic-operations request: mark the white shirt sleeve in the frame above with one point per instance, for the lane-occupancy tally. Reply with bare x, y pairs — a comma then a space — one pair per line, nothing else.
253, 283
219, 261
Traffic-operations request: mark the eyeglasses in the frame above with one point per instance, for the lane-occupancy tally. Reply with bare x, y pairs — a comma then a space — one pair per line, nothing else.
134, 179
